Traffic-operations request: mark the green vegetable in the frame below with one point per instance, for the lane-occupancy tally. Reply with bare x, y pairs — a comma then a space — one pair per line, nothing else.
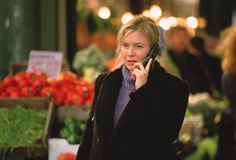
20, 127
206, 148
72, 130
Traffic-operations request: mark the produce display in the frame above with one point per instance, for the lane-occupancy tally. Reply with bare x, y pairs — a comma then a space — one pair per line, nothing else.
72, 130
20, 127
68, 89
198, 135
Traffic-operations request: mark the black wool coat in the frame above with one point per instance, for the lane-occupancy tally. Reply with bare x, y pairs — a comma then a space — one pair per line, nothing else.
148, 126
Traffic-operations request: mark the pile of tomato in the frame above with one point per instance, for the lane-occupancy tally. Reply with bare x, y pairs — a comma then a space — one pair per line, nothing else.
68, 89
66, 156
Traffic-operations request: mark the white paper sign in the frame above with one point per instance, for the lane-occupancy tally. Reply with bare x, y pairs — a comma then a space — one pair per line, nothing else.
48, 62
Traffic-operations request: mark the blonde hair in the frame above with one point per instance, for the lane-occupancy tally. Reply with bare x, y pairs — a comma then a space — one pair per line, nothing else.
229, 58
144, 25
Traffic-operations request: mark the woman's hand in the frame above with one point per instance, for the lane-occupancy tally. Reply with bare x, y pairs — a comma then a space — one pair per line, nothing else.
141, 74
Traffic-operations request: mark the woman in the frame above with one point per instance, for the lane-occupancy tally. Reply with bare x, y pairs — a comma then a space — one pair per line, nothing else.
227, 126
137, 110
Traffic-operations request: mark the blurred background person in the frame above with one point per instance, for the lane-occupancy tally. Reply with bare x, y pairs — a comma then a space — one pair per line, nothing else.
227, 125
178, 60
211, 63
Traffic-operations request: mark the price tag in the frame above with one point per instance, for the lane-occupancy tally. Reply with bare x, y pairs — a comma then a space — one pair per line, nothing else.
48, 62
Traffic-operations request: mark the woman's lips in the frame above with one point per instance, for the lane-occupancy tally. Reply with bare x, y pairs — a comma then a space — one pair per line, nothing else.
131, 62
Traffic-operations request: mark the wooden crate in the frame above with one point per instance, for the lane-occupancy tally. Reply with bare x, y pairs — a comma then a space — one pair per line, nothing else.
16, 67
76, 113
41, 147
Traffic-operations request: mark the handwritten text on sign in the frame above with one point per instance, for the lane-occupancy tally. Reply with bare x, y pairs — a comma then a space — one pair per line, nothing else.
45, 61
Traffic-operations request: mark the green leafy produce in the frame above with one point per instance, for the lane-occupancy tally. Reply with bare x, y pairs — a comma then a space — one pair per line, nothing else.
72, 130
20, 127
207, 149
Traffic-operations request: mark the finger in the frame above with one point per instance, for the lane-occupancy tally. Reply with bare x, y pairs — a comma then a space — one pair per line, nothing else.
136, 71
138, 66
147, 68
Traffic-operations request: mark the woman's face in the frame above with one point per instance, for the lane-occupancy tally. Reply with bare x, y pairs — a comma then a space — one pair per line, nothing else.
134, 48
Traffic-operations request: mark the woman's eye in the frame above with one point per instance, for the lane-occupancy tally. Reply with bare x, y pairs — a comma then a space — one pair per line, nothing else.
125, 45
139, 46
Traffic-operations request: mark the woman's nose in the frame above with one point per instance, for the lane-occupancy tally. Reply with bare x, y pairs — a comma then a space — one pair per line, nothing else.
130, 51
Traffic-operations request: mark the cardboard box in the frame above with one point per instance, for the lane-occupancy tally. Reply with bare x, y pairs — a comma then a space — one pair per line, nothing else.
40, 103
58, 146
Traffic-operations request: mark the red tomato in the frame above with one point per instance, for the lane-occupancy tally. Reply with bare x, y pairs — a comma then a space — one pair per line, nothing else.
13, 91
52, 82
45, 91
2, 88
36, 85
78, 99
26, 92
70, 95
20, 76
9, 81
59, 96
66, 156
23, 83
68, 76
88, 102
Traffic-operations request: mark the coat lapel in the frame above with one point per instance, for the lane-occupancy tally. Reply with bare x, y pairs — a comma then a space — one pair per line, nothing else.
106, 104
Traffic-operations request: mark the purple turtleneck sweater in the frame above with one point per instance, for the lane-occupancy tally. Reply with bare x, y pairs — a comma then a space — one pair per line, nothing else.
128, 86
